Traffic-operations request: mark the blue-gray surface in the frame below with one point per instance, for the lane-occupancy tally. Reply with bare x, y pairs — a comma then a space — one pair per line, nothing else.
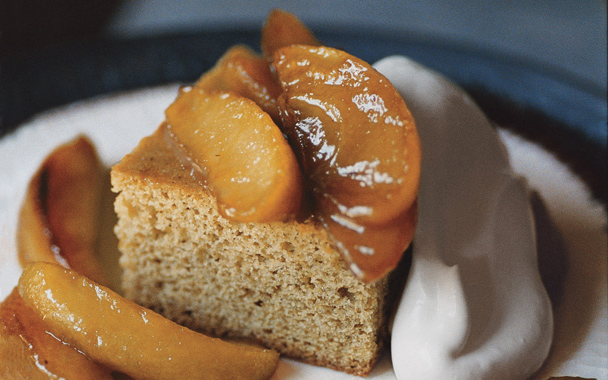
567, 36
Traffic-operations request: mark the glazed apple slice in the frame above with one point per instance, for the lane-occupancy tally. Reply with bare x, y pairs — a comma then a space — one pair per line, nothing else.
242, 71
358, 146
128, 338
28, 351
242, 155
284, 29
59, 216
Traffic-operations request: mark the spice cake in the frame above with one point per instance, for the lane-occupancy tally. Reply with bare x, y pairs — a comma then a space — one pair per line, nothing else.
287, 230
280, 283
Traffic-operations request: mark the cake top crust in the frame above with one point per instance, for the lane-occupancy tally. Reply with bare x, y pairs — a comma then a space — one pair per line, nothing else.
153, 160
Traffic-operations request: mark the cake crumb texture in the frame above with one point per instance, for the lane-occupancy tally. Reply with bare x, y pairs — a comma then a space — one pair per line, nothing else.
282, 284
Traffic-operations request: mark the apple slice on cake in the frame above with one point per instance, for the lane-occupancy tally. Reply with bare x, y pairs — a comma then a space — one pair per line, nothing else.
359, 150
240, 153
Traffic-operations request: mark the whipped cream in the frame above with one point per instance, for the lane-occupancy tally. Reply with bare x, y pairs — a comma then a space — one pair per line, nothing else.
474, 306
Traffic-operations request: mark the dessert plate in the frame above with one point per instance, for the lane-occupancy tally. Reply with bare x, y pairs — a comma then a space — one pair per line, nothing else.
563, 113
115, 123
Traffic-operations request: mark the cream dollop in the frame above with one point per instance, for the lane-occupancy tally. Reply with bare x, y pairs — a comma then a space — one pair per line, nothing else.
474, 306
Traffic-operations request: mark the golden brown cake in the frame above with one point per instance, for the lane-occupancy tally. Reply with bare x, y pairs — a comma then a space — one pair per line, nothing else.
282, 283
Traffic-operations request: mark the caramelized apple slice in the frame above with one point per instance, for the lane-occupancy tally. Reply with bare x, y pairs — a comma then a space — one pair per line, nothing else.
17, 362
244, 158
284, 29
129, 338
242, 71
28, 351
58, 218
359, 148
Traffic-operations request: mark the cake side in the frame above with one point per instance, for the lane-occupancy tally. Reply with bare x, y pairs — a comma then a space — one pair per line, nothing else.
282, 284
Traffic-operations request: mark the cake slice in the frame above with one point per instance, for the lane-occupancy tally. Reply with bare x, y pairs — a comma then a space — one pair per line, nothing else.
281, 283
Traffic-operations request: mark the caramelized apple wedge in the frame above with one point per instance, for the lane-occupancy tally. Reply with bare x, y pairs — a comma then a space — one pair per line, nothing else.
59, 216
358, 147
284, 29
29, 351
17, 363
240, 70
129, 338
242, 155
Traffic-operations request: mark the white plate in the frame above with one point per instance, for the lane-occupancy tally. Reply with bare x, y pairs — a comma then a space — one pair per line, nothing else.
117, 123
